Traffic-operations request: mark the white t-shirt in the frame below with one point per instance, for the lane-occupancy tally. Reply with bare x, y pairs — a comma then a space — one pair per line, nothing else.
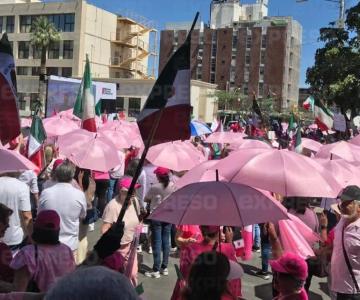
29, 177
158, 193
70, 204
15, 195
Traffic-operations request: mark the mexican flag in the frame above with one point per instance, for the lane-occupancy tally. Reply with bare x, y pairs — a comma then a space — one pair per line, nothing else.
85, 101
309, 103
298, 141
9, 112
324, 118
37, 137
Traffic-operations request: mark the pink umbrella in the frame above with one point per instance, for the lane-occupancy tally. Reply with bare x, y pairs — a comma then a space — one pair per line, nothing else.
57, 125
177, 156
69, 114
284, 172
343, 171
12, 161
225, 138
201, 173
89, 150
344, 150
250, 144
311, 144
355, 141
121, 139
218, 203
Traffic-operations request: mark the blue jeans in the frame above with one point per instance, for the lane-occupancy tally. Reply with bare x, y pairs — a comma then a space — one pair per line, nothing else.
160, 242
265, 256
257, 239
111, 189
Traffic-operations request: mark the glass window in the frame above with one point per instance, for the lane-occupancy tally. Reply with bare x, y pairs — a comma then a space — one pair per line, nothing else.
134, 107
10, 21
212, 77
248, 41
54, 50
68, 49
66, 72
262, 58
247, 74
69, 23
119, 102
22, 71
35, 71
24, 48
1, 23
33, 99
247, 58
245, 89
263, 41
25, 24
36, 52
261, 89
22, 100
235, 41
52, 71
262, 72
213, 66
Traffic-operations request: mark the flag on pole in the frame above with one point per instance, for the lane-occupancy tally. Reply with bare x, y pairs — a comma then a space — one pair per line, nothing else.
324, 118
10, 126
309, 103
37, 137
170, 97
85, 101
298, 142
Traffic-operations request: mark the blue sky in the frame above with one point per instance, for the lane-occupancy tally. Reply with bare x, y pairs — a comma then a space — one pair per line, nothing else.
312, 15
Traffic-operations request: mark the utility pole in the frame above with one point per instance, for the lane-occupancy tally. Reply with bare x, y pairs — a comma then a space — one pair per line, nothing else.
341, 20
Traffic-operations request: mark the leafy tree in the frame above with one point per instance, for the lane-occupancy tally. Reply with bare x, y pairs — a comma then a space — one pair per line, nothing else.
335, 77
43, 34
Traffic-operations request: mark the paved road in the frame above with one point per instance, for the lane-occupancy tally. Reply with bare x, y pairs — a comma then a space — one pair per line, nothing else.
253, 287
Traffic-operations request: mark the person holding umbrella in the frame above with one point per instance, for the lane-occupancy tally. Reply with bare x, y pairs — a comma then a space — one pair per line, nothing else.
160, 231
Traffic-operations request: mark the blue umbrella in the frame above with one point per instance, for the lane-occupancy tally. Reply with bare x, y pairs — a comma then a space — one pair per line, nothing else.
199, 128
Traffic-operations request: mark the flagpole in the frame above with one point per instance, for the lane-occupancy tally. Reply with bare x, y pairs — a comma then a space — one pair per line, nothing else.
143, 156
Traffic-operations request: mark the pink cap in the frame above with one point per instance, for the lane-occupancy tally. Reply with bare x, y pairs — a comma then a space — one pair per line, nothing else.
160, 171
124, 183
47, 219
57, 163
292, 264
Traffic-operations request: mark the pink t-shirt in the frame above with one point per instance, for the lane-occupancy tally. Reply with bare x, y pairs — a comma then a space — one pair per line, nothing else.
54, 262
190, 231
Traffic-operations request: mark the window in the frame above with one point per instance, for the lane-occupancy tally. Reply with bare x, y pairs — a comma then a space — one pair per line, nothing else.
247, 74
22, 100
25, 24
245, 89
52, 71
291, 59
261, 89
235, 41
262, 72
134, 107
213, 50
68, 49
262, 58
10, 21
36, 52
213, 66
1, 24
54, 51
35, 71
24, 48
117, 74
119, 102
248, 41
23, 71
66, 72
212, 77
247, 58
33, 99
263, 41
69, 23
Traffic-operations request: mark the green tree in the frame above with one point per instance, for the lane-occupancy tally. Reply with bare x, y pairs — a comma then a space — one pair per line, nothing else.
335, 77
43, 34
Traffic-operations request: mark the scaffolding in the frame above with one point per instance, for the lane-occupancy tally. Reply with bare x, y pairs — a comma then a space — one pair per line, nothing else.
135, 47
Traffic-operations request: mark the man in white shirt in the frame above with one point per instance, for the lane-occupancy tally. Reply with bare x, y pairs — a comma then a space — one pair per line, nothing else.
68, 201
29, 177
15, 195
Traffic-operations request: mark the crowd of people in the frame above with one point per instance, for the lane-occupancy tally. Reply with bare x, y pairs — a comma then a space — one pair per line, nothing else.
45, 220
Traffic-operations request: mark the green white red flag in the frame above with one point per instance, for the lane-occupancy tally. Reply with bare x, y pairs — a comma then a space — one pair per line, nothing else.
10, 125
85, 101
35, 146
324, 118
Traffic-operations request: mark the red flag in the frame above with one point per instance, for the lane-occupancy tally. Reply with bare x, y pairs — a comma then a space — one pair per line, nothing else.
9, 112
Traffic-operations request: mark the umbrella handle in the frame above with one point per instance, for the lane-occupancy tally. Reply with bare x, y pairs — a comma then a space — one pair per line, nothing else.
217, 175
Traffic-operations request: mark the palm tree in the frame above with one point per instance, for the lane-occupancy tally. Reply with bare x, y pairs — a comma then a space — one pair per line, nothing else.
43, 34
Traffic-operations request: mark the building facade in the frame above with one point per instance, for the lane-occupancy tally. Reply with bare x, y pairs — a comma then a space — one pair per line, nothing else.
242, 48
117, 46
